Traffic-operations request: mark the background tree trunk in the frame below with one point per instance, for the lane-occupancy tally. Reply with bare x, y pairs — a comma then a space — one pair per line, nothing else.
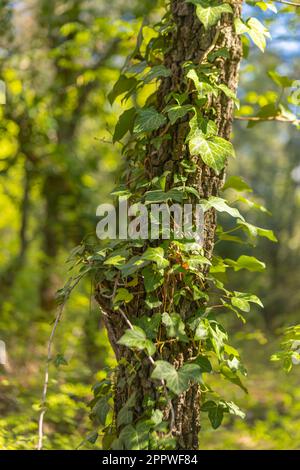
188, 41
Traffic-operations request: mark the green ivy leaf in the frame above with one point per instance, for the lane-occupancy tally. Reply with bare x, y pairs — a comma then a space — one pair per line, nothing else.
255, 231
148, 120
176, 112
237, 183
221, 206
247, 262
215, 413
204, 363
175, 326
280, 80
122, 295
124, 124
152, 279
255, 29
249, 297
240, 303
230, 93
176, 380
135, 338
158, 195
60, 360
150, 325
213, 150
157, 71
266, 6
232, 377
157, 255
122, 85
202, 84
233, 409
101, 409
135, 438
125, 415
209, 12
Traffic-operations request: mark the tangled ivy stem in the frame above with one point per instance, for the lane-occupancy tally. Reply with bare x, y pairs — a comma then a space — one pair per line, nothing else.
207, 100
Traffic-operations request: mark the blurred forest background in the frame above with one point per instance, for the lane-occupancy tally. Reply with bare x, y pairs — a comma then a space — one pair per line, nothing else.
59, 60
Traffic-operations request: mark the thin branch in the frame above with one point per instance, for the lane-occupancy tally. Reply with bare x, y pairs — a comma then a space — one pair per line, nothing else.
46, 377
286, 2
268, 118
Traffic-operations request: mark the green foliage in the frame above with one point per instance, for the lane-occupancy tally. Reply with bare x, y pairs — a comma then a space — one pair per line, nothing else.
209, 12
41, 114
177, 380
289, 353
136, 338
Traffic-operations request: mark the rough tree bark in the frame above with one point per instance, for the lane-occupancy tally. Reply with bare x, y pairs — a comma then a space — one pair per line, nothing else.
188, 42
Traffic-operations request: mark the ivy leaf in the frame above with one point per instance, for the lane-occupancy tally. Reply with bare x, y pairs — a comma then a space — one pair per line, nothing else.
255, 231
233, 409
150, 325
217, 337
152, 279
247, 262
266, 6
230, 93
175, 326
122, 85
157, 255
204, 363
209, 12
249, 297
215, 413
137, 68
135, 338
152, 302
148, 120
253, 205
221, 206
124, 124
255, 29
176, 112
258, 33
213, 150
237, 183
158, 195
176, 380
222, 52
122, 295
125, 415
134, 264
232, 377
240, 303
60, 360
191, 372
100, 410
280, 80
201, 328
240, 26
202, 84
157, 71
197, 260
135, 438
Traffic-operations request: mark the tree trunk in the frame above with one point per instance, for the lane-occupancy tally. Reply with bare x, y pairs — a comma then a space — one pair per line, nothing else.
188, 41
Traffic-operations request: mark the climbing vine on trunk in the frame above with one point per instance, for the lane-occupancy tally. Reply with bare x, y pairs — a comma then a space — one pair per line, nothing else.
161, 300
